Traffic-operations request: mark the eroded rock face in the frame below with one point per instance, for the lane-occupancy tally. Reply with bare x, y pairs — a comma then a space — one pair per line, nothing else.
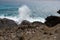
7, 23
52, 21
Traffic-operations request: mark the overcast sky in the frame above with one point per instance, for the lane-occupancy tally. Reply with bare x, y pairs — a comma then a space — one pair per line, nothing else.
25, 0
22, 1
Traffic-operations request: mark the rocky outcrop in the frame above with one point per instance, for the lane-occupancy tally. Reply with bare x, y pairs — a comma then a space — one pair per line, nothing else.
37, 22
58, 11
52, 21
25, 22
7, 23
30, 31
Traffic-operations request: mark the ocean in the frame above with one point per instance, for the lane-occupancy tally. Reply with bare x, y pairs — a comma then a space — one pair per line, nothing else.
33, 11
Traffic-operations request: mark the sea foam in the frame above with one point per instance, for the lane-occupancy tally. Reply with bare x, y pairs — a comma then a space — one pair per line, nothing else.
25, 12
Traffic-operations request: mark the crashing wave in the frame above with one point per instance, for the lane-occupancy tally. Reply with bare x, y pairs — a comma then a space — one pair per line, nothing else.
24, 14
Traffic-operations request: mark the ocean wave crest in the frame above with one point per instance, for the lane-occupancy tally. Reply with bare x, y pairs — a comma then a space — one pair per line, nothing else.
24, 13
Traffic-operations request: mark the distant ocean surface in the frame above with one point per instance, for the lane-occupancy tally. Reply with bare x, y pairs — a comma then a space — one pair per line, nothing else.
29, 11
9, 11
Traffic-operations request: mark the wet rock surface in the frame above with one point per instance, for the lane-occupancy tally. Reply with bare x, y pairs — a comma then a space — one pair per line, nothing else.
28, 31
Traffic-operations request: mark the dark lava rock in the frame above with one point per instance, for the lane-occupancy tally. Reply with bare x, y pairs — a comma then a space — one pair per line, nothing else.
7, 23
52, 21
37, 22
25, 22
58, 11
21, 38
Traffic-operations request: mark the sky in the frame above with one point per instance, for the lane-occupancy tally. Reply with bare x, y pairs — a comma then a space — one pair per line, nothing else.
24, 0
17, 2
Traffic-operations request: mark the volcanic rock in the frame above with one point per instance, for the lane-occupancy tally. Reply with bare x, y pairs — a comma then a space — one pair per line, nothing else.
58, 11
27, 32
25, 22
52, 21
7, 23
30, 31
37, 22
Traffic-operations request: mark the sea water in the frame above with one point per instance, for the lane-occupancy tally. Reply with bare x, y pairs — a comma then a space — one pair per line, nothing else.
33, 11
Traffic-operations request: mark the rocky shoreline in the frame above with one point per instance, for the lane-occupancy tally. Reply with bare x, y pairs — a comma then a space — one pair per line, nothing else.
50, 30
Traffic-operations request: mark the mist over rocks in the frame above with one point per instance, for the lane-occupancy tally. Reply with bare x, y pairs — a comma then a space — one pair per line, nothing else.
52, 21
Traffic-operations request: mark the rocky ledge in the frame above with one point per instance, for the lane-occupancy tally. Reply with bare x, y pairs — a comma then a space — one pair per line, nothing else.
50, 30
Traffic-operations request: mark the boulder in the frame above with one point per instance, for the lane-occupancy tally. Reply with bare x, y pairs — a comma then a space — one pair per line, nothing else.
25, 22
52, 21
37, 22
58, 11
7, 23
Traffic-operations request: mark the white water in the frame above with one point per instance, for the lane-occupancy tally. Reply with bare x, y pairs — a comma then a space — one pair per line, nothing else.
11, 18
24, 13
40, 9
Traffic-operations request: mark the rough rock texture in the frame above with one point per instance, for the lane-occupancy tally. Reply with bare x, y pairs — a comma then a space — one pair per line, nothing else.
30, 31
